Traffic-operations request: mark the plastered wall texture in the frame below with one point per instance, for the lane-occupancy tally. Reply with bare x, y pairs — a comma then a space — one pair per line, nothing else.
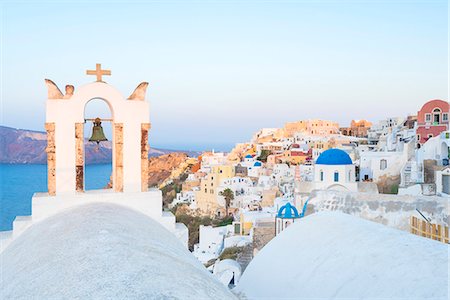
391, 210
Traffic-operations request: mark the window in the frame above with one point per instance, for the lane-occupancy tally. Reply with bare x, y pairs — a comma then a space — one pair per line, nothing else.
445, 117
427, 117
430, 136
206, 190
383, 164
336, 176
321, 175
237, 228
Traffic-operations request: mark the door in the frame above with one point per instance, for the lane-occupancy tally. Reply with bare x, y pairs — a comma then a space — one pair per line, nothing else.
446, 184
436, 119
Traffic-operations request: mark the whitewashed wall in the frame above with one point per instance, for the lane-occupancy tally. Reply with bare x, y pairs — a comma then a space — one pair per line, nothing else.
391, 210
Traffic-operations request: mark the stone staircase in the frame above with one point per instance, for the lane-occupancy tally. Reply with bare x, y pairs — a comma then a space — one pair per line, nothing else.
245, 257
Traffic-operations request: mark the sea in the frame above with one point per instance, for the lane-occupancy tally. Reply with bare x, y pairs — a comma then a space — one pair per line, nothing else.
18, 183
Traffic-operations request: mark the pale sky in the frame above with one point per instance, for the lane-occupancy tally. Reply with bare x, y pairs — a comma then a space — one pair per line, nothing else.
219, 71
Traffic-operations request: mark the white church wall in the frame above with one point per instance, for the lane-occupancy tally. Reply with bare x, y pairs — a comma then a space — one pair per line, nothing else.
346, 177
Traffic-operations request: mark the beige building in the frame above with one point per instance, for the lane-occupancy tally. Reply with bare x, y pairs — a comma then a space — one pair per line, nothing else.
268, 197
358, 128
189, 185
314, 127
206, 198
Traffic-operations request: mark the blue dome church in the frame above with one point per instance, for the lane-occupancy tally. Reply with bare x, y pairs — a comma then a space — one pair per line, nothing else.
287, 214
334, 170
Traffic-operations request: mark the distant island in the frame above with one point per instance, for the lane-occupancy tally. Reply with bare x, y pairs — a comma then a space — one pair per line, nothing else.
22, 146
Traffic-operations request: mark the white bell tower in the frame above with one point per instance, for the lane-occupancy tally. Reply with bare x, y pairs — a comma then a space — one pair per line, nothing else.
65, 124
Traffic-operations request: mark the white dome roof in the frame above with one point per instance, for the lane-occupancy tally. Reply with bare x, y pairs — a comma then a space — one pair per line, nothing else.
101, 251
226, 270
331, 255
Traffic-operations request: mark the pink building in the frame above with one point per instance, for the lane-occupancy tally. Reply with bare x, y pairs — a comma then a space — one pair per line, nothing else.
432, 119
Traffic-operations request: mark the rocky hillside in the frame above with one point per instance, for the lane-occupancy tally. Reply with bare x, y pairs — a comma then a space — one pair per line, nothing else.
22, 146
160, 168
19, 146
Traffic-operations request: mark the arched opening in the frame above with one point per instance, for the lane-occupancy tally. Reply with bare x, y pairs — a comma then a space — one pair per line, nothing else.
436, 116
337, 187
98, 156
232, 282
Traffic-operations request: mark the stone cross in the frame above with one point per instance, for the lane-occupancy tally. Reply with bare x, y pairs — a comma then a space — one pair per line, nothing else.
98, 72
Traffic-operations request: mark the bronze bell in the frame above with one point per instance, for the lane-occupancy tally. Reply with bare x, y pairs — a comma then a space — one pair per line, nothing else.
97, 132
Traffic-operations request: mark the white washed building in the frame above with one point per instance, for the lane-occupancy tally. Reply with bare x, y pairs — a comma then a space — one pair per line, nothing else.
211, 242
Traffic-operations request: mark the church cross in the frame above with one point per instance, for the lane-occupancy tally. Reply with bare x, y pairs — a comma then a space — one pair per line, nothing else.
98, 72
